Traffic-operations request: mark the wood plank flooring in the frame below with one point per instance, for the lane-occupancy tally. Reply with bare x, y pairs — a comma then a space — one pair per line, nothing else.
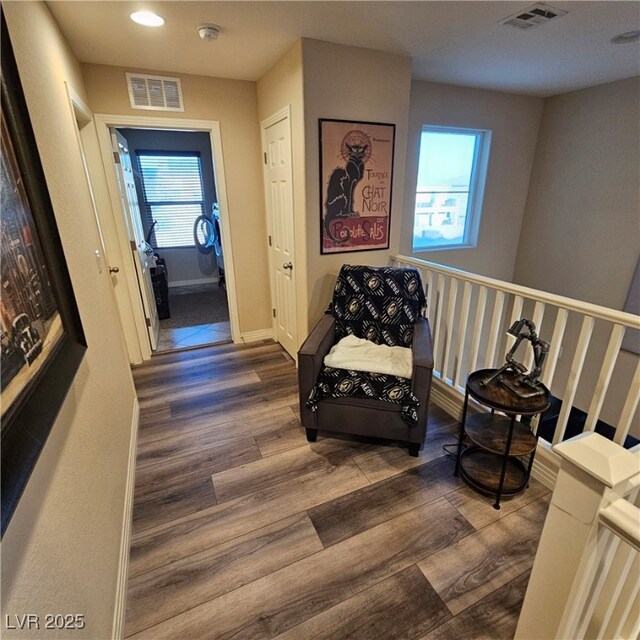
243, 530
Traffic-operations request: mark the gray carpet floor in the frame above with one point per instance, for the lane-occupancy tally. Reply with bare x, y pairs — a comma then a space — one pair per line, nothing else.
197, 308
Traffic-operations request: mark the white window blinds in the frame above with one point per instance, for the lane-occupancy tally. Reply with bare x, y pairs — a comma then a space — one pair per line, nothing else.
173, 195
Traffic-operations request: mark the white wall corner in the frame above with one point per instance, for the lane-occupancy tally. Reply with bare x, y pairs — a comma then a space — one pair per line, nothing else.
125, 541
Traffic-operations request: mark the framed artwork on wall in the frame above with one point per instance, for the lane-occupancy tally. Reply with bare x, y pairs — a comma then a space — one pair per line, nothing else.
42, 341
356, 179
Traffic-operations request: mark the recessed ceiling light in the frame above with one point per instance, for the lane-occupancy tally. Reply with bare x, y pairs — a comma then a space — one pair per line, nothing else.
147, 18
629, 36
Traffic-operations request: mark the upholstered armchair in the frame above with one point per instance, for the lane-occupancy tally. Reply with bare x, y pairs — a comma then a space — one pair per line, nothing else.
383, 305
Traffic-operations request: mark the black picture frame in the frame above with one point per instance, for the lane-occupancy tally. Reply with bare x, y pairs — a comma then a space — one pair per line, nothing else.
28, 420
380, 137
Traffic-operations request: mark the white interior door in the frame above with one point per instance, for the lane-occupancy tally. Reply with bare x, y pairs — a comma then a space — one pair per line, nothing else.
139, 248
279, 198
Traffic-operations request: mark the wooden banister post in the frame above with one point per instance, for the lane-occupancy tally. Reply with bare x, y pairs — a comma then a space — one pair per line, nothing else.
593, 473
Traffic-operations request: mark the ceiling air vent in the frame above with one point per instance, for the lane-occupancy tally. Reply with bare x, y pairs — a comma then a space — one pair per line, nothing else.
155, 93
534, 16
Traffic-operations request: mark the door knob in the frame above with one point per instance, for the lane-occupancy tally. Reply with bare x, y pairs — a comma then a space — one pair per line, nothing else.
114, 269
287, 265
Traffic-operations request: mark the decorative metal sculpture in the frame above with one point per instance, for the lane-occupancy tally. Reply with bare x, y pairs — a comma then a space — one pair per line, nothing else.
524, 384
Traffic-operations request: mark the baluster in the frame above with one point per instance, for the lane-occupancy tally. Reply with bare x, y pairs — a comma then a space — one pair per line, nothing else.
538, 315
437, 337
431, 298
462, 331
632, 627
629, 409
574, 378
424, 288
552, 358
607, 546
516, 314
621, 575
451, 313
592, 469
554, 350
477, 328
609, 362
494, 332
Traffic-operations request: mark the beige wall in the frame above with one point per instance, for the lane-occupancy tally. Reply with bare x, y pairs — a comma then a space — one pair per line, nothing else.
584, 200
581, 231
282, 85
234, 104
514, 121
60, 552
350, 83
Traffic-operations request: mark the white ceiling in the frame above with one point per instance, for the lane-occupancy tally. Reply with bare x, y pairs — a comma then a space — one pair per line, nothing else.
454, 42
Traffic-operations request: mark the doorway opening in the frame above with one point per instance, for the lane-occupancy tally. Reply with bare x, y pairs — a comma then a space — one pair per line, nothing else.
178, 207
140, 222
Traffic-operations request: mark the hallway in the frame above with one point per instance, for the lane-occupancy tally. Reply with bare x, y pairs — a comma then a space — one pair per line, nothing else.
242, 529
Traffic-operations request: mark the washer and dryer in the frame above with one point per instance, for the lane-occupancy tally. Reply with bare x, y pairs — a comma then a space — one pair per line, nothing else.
217, 242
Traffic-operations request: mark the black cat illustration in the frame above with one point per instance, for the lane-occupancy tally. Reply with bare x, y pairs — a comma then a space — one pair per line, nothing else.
342, 186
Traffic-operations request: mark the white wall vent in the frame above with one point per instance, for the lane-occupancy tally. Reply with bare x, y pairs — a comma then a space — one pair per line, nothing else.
534, 16
155, 93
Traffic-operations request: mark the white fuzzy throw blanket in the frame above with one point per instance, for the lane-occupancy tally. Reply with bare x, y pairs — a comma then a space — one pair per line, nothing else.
359, 354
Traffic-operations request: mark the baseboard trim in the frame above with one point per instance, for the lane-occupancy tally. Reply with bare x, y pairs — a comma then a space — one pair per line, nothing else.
187, 283
447, 398
255, 336
125, 541
546, 463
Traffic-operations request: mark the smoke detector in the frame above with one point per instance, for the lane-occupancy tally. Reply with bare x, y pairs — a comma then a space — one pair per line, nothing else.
534, 16
208, 31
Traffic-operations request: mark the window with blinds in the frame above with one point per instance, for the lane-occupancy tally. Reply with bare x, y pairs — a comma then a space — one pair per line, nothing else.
173, 195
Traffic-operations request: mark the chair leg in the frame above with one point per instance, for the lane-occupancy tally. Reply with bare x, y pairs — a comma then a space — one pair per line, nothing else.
414, 449
312, 435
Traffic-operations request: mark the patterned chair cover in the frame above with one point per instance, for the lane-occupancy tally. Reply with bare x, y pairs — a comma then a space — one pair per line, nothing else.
380, 304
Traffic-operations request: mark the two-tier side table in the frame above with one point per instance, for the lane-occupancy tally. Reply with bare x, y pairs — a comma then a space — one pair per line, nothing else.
492, 464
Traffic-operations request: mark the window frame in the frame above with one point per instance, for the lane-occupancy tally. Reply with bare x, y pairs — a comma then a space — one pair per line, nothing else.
147, 204
477, 183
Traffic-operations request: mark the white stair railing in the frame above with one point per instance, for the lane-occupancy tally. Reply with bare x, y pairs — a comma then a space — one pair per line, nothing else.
585, 581
468, 317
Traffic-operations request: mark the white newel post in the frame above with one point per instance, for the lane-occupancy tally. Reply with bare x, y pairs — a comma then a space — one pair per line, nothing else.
594, 473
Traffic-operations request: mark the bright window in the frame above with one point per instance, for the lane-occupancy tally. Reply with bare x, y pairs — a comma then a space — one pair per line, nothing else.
451, 173
173, 195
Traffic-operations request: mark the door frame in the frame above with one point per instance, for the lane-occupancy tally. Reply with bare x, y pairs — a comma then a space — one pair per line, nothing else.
84, 125
273, 119
106, 121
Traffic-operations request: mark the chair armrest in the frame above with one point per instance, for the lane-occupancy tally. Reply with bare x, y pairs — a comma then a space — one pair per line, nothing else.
310, 359
422, 352
321, 337
422, 349
422, 346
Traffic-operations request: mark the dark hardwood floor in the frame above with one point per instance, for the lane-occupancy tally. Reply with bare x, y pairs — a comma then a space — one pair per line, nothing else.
243, 530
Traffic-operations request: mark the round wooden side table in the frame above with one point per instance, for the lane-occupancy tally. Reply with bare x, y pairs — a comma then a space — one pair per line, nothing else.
491, 464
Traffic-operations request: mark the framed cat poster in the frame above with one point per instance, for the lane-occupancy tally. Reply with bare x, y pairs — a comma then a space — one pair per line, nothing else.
356, 177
